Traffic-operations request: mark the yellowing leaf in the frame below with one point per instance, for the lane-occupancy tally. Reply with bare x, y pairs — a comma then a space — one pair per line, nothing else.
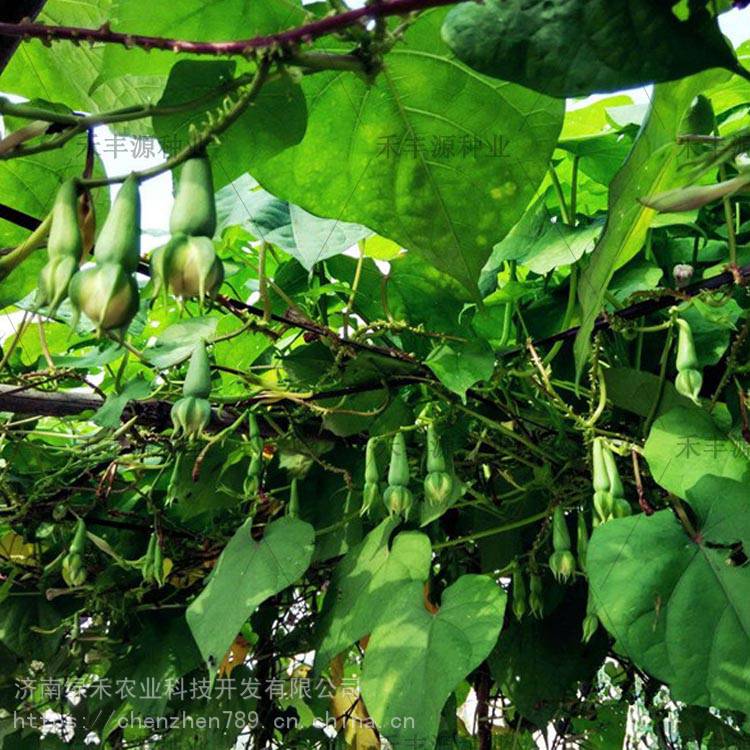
236, 655
13, 548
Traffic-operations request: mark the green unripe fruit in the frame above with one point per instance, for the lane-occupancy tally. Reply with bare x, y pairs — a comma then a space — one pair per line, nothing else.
120, 239
536, 600
615, 483
688, 383
398, 499
190, 416
293, 507
73, 570
79, 538
438, 487
621, 508
398, 471
158, 564
251, 485
198, 378
194, 210
370, 496
560, 535
686, 356
519, 593
600, 476
188, 267
590, 626
65, 237
54, 281
372, 475
562, 564
603, 505
106, 295
591, 621
435, 457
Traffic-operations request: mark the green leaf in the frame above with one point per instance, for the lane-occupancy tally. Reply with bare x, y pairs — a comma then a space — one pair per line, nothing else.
110, 412
652, 167
306, 237
246, 574
177, 342
443, 169
686, 443
412, 647
364, 585
675, 604
459, 365
274, 122
541, 243
578, 47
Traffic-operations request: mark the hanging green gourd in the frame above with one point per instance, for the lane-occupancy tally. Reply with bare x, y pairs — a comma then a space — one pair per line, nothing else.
120, 239
192, 413
158, 563
194, 210
620, 506
561, 561
536, 598
689, 374
590, 621
397, 496
519, 592
147, 561
438, 483
251, 484
293, 508
64, 249
371, 491
187, 266
73, 569
603, 504
609, 493
107, 293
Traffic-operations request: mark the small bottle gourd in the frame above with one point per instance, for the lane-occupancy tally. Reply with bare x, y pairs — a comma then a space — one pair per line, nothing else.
397, 496
64, 249
561, 561
108, 293
689, 375
187, 266
192, 413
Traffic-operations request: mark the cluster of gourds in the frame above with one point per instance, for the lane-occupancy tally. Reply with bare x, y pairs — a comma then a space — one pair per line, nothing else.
439, 482
609, 494
107, 292
152, 563
689, 375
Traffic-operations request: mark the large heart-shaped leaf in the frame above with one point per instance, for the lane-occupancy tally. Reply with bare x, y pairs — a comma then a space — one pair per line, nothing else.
415, 659
578, 47
678, 606
365, 584
685, 444
445, 169
247, 573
